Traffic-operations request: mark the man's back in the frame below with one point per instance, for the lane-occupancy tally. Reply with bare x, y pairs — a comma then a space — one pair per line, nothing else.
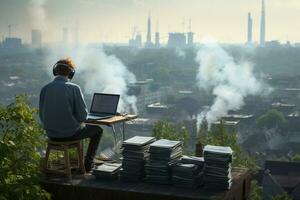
62, 108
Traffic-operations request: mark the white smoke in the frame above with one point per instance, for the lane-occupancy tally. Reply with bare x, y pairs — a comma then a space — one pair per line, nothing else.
179, 53
101, 73
36, 10
229, 81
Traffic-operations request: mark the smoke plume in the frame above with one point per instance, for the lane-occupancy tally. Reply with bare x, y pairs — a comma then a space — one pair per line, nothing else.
100, 73
103, 73
36, 10
230, 82
179, 53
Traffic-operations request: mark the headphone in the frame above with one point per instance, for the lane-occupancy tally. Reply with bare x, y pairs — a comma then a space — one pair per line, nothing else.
72, 71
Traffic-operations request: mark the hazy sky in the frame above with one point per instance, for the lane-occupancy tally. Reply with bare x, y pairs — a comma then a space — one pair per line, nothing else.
113, 20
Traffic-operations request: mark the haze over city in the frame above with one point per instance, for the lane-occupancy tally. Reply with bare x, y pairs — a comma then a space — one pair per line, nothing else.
113, 21
200, 96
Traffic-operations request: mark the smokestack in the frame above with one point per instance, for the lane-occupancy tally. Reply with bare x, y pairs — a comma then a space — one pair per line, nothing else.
157, 36
149, 43
149, 29
190, 35
250, 25
263, 24
157, 42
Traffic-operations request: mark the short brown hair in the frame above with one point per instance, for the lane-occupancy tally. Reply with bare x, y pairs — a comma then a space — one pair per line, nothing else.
64, 66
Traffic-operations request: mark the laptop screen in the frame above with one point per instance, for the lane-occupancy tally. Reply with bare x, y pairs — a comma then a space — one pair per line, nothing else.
105, 103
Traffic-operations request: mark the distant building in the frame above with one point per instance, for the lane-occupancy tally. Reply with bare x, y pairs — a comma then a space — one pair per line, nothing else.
144, 95
36, 38
230, 126
273, 44
263, 24
190, 40
249, 32
281, 177
190, 35
157, 40
149, 43
177, 40
12, 43
136, 41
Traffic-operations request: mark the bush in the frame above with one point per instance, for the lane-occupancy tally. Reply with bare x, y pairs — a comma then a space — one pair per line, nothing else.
165, 130
20, 139
221, 137
283, 196
272, 119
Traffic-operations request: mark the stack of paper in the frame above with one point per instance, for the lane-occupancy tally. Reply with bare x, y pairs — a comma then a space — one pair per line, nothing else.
107, 171
135, 154
199, 161
163, 154
188, 172
185, 175
217, 170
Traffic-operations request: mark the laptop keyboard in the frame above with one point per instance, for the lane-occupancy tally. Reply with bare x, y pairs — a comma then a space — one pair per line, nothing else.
96, 117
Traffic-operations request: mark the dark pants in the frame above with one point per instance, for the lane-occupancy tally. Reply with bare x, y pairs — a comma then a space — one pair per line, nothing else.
92, 132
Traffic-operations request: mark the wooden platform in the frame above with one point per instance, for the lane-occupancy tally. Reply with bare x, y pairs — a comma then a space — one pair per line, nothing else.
88, 187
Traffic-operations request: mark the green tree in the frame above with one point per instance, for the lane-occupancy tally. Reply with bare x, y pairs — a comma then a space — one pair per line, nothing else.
256, 191
272, 119
221, 137
165, 130
20, 139
296, 158
283, 196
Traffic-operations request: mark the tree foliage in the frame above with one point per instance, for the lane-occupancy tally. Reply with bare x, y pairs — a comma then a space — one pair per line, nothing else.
296, 158
283, 196
221, 137
165, 130
272, 119
20, 139
256, 192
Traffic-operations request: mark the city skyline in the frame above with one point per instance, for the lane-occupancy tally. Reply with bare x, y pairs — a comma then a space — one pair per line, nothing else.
113, 21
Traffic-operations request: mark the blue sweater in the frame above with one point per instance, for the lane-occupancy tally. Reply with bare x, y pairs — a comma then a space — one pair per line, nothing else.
62, 108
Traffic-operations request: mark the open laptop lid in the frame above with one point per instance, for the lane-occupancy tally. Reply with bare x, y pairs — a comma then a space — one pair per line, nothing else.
104, 103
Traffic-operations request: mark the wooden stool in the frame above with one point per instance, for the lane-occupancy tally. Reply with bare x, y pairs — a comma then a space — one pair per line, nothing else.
65, 146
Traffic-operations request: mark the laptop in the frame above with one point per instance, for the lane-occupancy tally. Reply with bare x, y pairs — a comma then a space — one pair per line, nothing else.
103, 106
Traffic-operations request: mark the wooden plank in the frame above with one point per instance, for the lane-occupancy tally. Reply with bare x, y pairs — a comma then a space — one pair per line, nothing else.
112, 120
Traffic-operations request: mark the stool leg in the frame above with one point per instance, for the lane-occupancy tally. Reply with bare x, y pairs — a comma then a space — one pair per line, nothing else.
45, 167
80, 158
67, 163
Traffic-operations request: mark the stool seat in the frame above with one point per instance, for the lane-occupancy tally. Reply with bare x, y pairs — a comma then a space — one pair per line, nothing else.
49, 141
65, 146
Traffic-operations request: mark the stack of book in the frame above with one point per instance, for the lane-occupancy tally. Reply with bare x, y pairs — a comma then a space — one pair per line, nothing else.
107, 171
135, 153
188, 173
199, 161
217, 169
163, 154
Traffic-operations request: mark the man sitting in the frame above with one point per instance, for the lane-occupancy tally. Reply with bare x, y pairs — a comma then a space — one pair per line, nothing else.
63, 111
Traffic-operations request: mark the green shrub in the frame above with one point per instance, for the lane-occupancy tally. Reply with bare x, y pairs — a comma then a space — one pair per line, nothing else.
20, 140
165, 130
221, 137
283, 196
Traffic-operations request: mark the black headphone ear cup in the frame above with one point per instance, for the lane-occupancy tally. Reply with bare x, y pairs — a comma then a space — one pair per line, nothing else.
71, 74
54, 70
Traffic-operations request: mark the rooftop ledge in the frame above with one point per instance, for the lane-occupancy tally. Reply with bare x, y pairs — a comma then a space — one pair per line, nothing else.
88, 187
